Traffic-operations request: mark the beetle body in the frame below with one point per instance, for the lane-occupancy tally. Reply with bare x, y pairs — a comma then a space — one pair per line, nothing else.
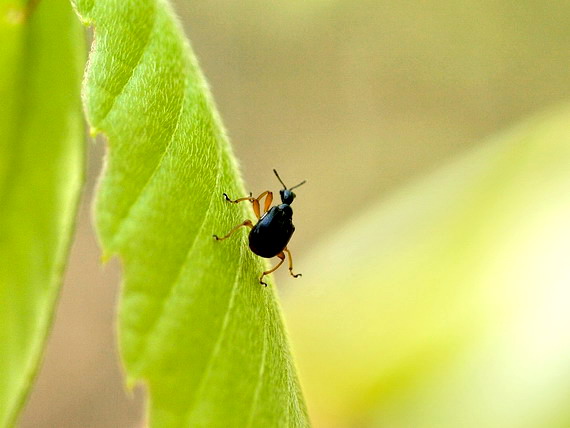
272, 232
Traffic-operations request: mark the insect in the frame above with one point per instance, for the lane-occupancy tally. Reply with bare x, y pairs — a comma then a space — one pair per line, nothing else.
271, 234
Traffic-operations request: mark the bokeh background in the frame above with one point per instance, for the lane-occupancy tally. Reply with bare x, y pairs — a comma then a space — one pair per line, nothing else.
359, 97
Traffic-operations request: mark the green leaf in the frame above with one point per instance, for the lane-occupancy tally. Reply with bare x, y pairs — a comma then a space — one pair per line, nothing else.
448, 304
195, 324
41, 172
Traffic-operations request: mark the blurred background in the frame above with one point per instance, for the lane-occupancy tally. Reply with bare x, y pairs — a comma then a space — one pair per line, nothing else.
358, 97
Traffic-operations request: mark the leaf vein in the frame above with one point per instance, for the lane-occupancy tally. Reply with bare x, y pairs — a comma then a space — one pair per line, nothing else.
215, 351
137, 199
169, 296
138, 63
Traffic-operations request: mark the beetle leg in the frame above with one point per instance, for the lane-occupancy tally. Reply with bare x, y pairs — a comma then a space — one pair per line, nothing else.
268, 200
247, 198
256, 210
291, 264
247, 223
267, 272
262, 195
256, 206
256, 203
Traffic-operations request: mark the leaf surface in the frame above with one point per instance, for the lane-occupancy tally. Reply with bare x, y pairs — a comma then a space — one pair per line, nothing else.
447, 304
195, 325
41, 172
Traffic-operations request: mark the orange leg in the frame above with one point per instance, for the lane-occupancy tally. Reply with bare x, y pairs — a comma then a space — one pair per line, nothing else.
255, 201
267, 272
268, 199
247, 198
247, 223
291, 264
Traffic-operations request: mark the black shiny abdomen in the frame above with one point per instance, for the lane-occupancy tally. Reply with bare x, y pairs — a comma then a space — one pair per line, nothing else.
272, 232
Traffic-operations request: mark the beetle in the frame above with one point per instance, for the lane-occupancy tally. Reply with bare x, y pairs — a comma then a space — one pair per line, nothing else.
271, 234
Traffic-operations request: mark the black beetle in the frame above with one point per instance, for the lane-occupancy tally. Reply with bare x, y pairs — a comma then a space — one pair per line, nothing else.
271, 234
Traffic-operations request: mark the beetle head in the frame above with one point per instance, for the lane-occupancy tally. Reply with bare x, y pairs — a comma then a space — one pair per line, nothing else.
287, 195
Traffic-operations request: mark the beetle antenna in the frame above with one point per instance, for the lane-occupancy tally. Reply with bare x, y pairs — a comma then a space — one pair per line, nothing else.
300, 184
279, 178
